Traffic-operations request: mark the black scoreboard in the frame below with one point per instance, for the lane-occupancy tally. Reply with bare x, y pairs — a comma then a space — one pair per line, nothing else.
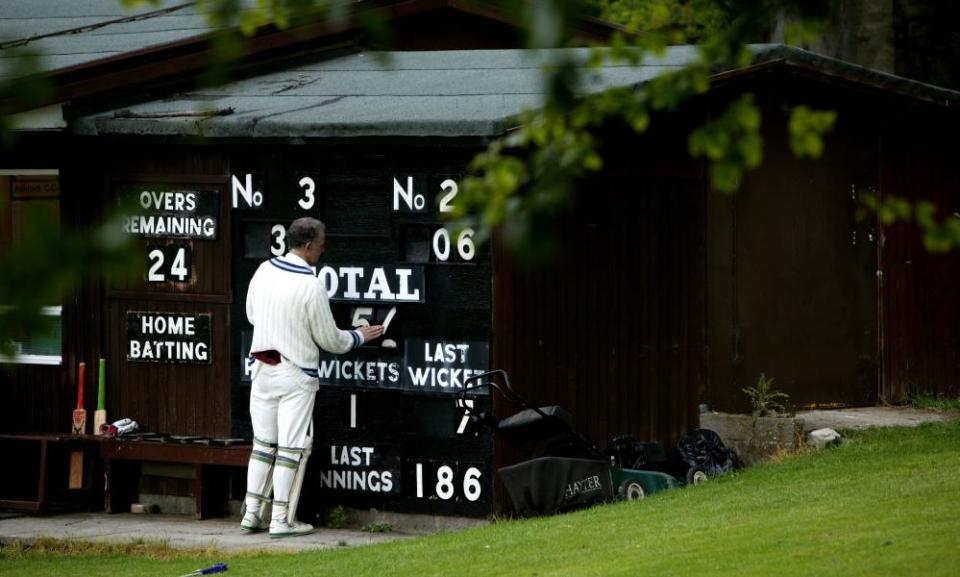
389, 429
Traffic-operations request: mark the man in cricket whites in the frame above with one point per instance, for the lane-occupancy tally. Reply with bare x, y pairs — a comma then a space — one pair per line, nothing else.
290, 312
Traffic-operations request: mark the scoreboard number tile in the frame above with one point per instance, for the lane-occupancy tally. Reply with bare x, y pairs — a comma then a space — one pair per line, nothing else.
309, 199
361, 317
448, 481
169, 263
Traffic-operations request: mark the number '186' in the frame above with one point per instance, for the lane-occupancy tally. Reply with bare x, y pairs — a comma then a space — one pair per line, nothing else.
445, 487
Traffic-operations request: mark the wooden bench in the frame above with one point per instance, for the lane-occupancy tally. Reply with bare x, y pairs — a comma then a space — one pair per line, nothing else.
50, 473
122, 460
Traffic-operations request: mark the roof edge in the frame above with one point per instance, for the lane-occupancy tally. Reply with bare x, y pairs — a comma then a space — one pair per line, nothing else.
772, 55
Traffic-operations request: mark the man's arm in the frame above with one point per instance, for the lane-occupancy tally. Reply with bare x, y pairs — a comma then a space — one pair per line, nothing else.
370, 332
324, 328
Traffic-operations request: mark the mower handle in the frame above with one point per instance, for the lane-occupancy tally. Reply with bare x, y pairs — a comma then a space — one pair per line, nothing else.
490, 384
506, 378
512, 396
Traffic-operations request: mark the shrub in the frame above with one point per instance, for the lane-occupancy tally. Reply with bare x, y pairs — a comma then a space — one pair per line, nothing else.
765, 399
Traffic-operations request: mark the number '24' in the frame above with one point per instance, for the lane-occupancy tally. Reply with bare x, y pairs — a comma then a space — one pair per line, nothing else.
171, 263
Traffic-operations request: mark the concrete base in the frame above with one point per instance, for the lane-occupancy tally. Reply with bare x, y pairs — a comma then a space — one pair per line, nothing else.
410, 523
169, 504
863, 417
355, 518
755, 439
754, 442
177, 531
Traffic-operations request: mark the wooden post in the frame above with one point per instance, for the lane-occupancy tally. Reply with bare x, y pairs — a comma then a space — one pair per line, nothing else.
76, 470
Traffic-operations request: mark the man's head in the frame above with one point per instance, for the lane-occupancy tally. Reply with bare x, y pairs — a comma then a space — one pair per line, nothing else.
306, 237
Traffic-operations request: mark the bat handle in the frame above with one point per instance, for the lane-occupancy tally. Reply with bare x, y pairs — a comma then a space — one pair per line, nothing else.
218, 568
81, 378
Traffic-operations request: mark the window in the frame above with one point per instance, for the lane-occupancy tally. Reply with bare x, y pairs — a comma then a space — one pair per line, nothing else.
24, 192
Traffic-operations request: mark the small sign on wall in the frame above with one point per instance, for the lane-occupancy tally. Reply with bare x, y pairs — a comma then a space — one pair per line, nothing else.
168, 213
348, 467
33, 188
443, 366
162, 337
374, 283
428, 366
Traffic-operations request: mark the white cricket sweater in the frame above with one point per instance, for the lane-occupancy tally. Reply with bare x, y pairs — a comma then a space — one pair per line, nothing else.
290, 313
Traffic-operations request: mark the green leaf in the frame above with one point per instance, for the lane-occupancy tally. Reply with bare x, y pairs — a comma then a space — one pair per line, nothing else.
925, 212
807, 127
592, 161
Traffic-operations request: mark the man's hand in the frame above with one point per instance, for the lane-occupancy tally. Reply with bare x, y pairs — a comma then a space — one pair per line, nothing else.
371, 332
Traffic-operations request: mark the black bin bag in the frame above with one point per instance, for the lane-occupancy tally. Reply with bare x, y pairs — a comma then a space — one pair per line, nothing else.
703, 449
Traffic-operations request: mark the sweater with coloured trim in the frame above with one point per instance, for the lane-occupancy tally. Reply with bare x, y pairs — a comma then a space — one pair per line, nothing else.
290, 312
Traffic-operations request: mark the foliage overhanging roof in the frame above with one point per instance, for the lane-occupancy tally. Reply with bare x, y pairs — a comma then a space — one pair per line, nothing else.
468, 93
475, 93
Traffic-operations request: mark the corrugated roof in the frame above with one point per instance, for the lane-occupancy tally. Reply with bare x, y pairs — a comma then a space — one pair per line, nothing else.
420, 94
78, 32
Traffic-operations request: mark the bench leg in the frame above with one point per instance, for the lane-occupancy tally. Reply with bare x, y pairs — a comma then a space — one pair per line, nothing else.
120, 484
210, 490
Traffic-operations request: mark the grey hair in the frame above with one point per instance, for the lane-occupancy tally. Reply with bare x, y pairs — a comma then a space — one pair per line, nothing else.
304, 230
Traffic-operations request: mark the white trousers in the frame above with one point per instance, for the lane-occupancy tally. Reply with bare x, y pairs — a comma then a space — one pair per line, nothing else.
281, 410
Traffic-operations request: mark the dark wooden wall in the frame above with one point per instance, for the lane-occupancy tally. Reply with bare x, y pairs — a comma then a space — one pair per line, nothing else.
42, 398
613, 328
36, 398
921, 316
178, 399
792, 279
838, 310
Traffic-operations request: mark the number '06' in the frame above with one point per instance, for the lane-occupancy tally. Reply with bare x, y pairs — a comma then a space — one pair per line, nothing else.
465, 247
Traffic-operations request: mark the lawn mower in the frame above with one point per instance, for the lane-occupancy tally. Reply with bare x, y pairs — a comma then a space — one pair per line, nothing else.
565, 470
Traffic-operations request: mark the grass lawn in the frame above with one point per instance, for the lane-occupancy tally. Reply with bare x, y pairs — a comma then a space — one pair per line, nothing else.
885, 503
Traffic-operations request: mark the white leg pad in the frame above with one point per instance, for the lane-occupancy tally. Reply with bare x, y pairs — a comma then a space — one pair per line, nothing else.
260, 474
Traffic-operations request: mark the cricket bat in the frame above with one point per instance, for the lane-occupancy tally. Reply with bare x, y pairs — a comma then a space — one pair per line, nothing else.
100, 416
80, 414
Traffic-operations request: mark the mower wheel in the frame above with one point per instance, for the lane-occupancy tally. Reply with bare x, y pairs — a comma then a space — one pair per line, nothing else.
695, 476
630, 490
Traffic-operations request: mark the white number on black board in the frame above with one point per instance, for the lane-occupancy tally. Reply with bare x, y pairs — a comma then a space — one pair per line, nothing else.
179, 268
308, 200
471, 484
465, 247
156, 257
362, 316
449, 186
445, 487
279, 235
467, 406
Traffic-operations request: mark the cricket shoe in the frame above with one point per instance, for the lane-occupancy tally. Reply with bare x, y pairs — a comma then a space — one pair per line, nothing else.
283, 528
252, 523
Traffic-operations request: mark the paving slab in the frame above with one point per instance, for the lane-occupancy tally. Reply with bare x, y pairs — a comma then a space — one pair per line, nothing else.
179, 531
863, 417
